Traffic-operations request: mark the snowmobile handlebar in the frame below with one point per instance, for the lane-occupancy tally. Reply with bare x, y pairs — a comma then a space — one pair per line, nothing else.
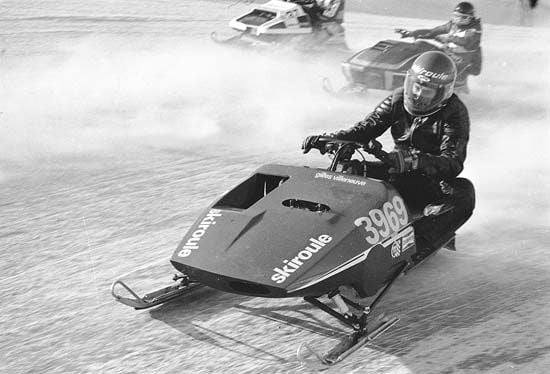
343, 149
419, 38
403, 32
434, 42
304, 2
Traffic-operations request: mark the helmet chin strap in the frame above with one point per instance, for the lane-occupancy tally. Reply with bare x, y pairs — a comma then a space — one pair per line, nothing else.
430, 112
462, 19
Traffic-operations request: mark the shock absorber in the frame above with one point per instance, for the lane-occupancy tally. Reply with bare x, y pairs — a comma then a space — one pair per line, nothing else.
341, 305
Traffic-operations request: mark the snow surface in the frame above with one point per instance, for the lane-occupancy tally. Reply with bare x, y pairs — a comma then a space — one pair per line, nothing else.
120, 121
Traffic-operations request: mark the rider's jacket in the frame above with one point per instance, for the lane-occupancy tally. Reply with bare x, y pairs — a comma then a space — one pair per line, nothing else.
439, 140
467, 38
332, 10
323, 10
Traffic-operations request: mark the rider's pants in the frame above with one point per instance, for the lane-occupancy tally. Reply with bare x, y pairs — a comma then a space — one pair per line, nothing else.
435, 231
467, 63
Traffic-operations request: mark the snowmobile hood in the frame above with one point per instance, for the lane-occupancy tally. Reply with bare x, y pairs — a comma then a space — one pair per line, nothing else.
281, 227
389, 54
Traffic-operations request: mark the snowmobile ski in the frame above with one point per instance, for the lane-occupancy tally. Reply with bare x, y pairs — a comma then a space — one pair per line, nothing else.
151, 299
328, 87
309, 357
216, 38
365, 330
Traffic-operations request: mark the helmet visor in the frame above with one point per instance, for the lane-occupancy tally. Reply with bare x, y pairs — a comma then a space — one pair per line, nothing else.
461, 18
423, 90
422, 97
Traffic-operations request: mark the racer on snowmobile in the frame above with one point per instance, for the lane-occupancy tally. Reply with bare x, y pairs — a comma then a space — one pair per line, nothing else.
461, 37
327, 17
430, 127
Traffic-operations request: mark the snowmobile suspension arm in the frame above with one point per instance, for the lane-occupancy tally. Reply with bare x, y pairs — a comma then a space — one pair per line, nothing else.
351, 322
388, 286
357, 323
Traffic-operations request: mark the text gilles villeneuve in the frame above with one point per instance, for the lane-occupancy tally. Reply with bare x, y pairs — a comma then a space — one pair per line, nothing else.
280, 273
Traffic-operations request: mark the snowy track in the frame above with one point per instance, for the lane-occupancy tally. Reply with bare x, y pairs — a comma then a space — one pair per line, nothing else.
115, 132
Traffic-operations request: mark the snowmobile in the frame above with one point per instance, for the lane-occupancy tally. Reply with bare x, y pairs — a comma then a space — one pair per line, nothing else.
384, 66
334, 236
282, 25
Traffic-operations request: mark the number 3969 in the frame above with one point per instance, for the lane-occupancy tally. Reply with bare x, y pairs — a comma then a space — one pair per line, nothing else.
381, 223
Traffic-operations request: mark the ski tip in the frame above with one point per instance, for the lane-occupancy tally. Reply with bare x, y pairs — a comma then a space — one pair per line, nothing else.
310, 358
327, 85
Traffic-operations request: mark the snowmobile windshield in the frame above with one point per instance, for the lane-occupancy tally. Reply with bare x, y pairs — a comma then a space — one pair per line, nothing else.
257, 17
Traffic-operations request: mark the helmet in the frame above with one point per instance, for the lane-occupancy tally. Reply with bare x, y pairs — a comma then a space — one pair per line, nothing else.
463, 13
429, 83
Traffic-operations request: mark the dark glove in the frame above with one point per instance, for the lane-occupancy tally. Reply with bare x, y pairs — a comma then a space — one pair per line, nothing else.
404, 33
374, 146
312, 141
402, 161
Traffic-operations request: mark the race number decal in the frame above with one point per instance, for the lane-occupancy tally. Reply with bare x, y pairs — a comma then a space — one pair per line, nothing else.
381, 223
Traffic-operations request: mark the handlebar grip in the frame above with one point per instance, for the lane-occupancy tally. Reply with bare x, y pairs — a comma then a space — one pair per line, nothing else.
403, 32
373, 147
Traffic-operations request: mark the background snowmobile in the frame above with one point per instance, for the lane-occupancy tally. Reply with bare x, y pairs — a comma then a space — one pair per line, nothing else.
281, 25
290, 231
384, 66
